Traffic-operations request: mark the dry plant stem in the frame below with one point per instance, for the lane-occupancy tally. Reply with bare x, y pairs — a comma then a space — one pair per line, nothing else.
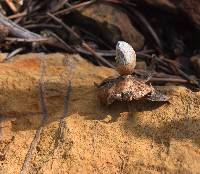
149, 27
165, 69
111, 53
11, 5
188, 78
59, 4
42, 25
64, 25
17, 15
15, 39
96, 55
165, 63
84, 45
71, 8
64, 45
13, 53
155, 79
44, 116
16, 30
97, 39
107, 53
147, 56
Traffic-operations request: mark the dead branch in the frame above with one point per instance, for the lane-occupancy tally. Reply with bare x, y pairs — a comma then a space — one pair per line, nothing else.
17, 30
84, 45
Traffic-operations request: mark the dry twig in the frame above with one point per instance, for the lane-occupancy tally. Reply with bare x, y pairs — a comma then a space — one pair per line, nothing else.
16, 30
83, 44
11, 5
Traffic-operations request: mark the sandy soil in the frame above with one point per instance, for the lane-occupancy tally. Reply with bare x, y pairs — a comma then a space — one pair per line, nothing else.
50, 126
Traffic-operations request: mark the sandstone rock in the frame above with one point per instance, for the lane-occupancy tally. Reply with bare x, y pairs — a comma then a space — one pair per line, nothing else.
88, 137
105, 12
2, 57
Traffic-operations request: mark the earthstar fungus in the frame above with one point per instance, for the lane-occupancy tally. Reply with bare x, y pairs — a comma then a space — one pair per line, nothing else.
127, 87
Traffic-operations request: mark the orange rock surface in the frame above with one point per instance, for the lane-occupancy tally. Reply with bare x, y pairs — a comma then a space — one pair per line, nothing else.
78, 134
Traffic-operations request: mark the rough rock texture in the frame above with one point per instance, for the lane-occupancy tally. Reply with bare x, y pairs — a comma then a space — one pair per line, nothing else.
105, 12
191, 8
88, 137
